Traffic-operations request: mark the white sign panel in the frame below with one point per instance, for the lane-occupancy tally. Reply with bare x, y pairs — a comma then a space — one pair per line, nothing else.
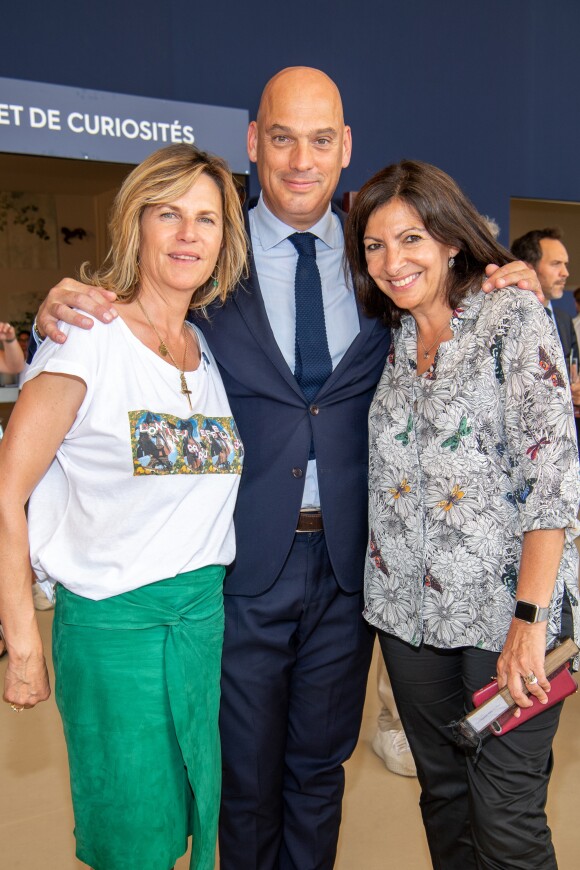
58, 121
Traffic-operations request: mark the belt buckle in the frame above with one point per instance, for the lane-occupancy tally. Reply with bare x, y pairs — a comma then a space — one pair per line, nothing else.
309, 521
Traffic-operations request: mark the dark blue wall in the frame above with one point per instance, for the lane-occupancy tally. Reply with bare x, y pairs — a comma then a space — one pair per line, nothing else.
488, 90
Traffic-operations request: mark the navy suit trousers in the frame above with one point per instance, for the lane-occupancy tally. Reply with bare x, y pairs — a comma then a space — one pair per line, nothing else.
294, 673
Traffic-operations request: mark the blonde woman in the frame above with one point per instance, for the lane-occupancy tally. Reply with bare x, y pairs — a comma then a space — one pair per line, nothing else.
135, 536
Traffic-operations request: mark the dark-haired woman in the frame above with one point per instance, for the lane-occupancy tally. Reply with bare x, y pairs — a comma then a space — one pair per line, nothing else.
473, 500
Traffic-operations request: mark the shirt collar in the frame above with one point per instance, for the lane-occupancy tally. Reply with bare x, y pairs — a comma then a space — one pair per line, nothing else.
271, 230
467, 311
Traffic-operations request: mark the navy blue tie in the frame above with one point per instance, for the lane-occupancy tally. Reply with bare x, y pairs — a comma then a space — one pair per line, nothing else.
313, 363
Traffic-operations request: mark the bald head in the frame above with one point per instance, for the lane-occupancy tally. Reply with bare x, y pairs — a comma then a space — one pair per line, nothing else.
300, 144
300, 83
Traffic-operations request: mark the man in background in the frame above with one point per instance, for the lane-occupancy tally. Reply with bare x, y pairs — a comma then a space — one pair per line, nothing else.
23, 339
576, 320
544, 251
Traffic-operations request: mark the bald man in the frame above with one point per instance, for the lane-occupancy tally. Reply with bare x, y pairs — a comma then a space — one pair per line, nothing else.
296, 649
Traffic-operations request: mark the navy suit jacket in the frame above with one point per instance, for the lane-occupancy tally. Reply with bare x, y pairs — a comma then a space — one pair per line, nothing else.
277, 425
566, 332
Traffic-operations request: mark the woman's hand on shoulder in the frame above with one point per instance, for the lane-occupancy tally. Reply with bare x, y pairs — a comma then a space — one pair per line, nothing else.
522, 656
64, 298
26, 682
517, 274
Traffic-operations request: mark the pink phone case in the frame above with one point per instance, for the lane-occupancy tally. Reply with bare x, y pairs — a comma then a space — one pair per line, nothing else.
562, 684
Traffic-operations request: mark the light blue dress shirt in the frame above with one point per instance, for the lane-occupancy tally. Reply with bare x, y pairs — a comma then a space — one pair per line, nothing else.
276, 260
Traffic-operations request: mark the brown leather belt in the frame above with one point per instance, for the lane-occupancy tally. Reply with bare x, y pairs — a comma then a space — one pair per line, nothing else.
310, 521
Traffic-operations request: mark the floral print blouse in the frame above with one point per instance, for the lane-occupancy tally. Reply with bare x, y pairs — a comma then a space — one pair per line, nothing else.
463, 460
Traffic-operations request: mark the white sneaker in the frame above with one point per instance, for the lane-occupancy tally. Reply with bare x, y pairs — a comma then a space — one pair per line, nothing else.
41, 602
393, 748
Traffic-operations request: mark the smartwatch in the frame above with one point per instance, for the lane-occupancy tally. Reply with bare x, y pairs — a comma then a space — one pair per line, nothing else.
531, 613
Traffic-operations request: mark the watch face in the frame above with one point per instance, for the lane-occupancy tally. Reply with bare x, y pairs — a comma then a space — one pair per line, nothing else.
526, 611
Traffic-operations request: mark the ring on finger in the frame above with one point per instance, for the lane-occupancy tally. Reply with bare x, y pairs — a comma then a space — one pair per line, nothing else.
530, 679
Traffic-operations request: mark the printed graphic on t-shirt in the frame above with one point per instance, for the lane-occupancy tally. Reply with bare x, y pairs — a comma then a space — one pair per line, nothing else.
163, 444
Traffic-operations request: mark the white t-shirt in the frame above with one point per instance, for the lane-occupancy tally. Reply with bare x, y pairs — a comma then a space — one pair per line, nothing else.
142, 488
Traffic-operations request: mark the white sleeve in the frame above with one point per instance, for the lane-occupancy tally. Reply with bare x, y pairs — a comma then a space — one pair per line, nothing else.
80, 356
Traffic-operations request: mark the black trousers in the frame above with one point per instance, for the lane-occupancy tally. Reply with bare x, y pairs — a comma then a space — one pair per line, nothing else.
294, 672
486, 813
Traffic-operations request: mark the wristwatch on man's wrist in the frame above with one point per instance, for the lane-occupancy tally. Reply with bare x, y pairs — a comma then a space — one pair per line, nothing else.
39, 338
531, 613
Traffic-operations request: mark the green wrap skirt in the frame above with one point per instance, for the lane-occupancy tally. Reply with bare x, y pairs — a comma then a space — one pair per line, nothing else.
137, 686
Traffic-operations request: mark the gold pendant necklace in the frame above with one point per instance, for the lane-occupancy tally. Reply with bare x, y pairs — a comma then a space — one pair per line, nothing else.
164, 351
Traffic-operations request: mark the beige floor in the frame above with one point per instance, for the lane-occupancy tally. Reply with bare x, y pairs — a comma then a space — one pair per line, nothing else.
381, 827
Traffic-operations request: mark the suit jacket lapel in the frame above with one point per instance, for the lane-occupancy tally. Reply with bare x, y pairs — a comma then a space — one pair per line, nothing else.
367, 326
250, 303
248, 299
